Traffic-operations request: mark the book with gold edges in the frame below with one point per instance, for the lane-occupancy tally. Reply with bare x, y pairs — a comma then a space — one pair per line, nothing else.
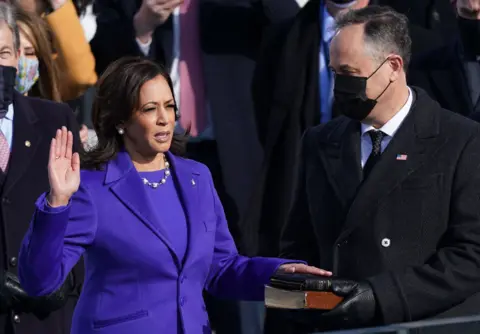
300, 291
288, 299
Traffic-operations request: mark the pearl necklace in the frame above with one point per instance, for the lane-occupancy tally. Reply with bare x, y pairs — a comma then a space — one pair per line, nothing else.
155, 185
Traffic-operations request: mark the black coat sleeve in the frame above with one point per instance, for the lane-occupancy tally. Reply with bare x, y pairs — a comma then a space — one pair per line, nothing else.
452, 274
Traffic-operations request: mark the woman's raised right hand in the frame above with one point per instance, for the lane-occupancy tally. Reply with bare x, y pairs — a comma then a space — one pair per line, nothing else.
63, 169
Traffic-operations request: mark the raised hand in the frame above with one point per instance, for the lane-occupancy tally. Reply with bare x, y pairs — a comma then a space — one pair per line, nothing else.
152, 14
63, 169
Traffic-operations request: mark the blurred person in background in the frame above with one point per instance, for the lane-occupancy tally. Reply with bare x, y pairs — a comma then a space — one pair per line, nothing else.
40, 72
468, 12
71, 50
210, 47
70, 26
26, 124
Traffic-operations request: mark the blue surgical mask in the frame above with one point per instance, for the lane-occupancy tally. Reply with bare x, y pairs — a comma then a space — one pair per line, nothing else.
27, 74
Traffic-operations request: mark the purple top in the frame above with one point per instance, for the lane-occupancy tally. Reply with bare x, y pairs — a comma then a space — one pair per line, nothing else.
168, 209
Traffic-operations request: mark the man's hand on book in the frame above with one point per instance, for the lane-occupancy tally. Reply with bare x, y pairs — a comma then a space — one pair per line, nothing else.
358, 307
301, 268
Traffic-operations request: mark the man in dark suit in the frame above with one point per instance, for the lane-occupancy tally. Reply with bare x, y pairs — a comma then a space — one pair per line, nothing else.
211, 47
291, 92
27, 126
388, 193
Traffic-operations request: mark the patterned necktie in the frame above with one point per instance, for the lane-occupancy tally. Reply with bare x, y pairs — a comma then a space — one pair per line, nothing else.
376, 137
192, 91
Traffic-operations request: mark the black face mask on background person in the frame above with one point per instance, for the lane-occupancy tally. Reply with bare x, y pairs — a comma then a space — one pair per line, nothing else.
350, 96
470, 35
7, 86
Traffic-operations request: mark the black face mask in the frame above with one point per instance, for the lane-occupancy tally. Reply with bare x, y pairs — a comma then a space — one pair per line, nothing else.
7, 85
350, 96
470, 33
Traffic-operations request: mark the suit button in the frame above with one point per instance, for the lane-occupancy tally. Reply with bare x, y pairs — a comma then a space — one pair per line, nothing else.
386, 242
182, 301
16, 318
182, 279
5, 200
13, 261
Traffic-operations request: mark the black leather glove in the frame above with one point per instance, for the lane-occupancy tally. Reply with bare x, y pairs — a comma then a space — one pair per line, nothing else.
13, 297
358, 308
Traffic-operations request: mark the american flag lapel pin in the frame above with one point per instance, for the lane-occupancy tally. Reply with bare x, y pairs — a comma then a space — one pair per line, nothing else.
402, 157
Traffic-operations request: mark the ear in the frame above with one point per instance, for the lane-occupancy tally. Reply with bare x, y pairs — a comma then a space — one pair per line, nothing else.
396, 64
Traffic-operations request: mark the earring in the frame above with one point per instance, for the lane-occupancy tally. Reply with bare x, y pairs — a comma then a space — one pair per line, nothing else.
121, 131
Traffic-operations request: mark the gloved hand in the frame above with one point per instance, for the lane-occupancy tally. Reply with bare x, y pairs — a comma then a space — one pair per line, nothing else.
12, 296
358, 308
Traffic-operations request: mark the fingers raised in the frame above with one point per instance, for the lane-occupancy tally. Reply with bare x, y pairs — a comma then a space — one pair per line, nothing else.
76, 162
63, 148
69, 147
53, 150
58, 143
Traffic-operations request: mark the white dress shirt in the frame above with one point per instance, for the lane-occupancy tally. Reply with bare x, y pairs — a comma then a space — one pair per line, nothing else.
6, 126
389, 129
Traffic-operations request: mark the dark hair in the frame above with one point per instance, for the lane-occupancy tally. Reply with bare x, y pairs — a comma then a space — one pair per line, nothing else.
117, 98
385, 29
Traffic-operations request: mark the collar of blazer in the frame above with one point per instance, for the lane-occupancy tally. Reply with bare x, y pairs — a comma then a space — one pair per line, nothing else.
339, 149
24, 130
126, 184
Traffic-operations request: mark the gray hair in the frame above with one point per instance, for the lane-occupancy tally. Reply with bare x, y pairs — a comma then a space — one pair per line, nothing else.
386, 31
8, 16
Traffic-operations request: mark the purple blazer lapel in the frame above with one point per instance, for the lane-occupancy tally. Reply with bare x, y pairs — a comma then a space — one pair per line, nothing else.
129, 189
187, 180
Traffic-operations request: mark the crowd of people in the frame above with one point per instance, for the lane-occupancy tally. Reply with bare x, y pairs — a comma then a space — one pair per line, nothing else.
162, 159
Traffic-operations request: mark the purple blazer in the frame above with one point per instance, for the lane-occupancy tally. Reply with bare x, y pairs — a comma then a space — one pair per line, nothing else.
134, 281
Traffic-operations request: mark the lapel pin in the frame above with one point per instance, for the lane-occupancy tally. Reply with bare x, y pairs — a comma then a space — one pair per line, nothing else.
27, 143
193, 182
402, 157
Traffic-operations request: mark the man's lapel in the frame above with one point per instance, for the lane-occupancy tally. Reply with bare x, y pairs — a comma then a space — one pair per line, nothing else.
414, 143
340, 154
26, 140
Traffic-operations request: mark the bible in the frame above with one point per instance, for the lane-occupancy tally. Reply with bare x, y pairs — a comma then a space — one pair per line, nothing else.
300, 291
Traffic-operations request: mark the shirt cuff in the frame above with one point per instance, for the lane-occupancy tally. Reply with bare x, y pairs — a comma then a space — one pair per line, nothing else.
144, 47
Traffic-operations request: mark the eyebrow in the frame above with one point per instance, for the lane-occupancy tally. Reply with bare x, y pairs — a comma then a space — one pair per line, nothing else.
347, 68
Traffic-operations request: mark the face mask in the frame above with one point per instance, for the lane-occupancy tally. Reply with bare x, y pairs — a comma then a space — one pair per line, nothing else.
469, 31
350, 96
27, 74
7, 84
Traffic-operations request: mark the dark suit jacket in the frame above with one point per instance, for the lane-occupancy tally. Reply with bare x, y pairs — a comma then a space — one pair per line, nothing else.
412, 229
286, 98
34, 125
230, 33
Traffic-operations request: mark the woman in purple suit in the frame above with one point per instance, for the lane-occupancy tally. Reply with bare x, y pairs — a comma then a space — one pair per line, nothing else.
149, 223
